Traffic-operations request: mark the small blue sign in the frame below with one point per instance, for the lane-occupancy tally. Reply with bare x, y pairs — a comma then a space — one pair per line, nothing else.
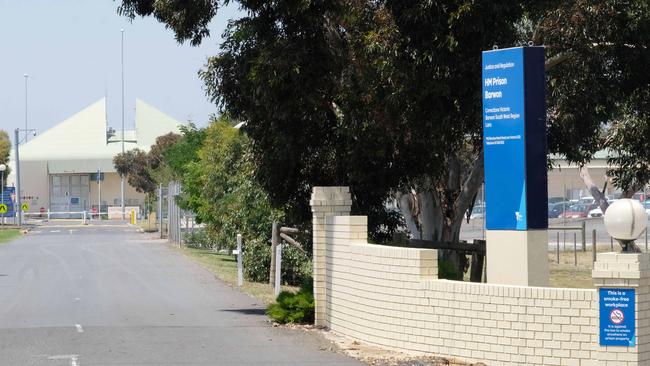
617, 308
514, 139
5, 198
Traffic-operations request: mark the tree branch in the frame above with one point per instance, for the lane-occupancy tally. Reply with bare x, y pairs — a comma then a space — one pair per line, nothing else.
598, 196
558, 59
470, 186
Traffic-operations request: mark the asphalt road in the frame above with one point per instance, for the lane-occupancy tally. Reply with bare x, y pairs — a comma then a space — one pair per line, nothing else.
474, 230
105, 295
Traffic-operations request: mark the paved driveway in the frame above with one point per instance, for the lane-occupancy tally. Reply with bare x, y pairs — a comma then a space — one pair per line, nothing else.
104, 295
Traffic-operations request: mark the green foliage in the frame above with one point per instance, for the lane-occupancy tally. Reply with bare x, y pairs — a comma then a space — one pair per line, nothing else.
5, 150
184, 150
448, 270
189, 19
198, 238
384, 96
257, 261
217, 174
294, 308
134, 165
222, 189
296, 266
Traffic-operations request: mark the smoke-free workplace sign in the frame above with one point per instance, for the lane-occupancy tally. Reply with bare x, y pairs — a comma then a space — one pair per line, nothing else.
617, 308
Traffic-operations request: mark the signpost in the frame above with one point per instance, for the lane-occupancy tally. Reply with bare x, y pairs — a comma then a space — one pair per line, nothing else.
514, 146
7, 201
617, 307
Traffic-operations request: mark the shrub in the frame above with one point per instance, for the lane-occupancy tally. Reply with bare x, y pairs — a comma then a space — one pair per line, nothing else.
296, 267
198, 238
294, 308
447, 270
257, 261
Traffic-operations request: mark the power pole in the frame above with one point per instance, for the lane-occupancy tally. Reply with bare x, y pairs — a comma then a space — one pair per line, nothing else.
18, 199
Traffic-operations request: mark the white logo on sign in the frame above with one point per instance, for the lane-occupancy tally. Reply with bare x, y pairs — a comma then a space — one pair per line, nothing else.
616, 316
518, 216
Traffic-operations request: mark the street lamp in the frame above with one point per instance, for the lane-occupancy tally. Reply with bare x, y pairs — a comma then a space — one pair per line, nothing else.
625, 220
2, 188
17, 154
122, 175
26, 77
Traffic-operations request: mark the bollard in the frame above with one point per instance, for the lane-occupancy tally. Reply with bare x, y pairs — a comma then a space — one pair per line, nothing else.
584, 236
558, 248
48, 214
278, 269
275, 239
575, 250
593, 245
84, 218
646, 239
240, 265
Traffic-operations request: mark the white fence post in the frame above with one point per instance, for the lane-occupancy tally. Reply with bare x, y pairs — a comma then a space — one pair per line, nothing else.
278, 268
240, 264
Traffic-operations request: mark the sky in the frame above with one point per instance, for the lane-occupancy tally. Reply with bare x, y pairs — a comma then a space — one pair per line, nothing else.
70, 50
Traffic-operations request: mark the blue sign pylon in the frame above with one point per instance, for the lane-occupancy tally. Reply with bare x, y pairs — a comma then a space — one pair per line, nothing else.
514, 139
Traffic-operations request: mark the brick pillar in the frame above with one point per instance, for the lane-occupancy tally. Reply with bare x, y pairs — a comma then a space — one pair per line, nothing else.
625, 271
325, 201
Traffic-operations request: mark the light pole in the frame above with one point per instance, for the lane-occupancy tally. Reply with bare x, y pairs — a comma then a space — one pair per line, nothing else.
99, 193
26, 77
2, 188
17, 208
17, 137
121, 175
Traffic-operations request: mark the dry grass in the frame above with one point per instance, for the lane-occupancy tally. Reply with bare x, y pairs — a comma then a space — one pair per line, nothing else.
224, 267
148, 227
567, 273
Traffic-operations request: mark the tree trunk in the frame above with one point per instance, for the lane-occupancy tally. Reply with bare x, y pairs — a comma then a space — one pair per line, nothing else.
438, 214
598, 196
422, 214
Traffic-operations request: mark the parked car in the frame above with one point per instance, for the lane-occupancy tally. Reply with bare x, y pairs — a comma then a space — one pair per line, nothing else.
555, 209
553, 200
647, 207
576, 211
586, 200
478, 212
597, 212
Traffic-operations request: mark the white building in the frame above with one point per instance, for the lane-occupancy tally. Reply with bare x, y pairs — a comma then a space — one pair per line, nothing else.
58, 168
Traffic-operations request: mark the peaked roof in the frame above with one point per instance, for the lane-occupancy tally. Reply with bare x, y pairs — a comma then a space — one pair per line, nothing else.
80, 143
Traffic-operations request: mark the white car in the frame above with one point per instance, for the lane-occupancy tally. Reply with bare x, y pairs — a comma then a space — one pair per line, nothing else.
597, 212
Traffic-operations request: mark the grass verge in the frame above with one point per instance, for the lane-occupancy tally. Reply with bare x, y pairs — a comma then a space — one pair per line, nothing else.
148, 227
573, 270
8, 235
224, 268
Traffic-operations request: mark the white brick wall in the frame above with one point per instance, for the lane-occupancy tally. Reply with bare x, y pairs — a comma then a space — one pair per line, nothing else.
390, 297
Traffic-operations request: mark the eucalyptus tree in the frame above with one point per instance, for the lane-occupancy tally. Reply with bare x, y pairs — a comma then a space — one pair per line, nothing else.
384, 96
